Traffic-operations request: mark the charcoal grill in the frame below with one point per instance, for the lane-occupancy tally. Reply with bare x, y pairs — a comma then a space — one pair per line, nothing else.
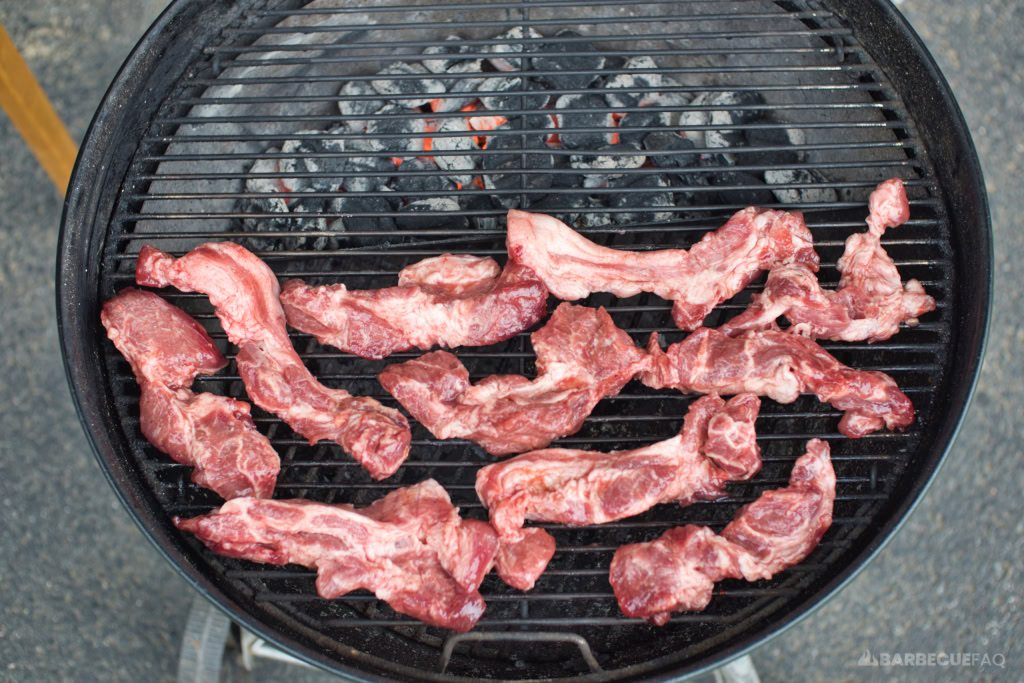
215, 87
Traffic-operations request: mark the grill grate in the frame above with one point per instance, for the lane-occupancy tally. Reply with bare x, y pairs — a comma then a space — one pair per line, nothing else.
277, 71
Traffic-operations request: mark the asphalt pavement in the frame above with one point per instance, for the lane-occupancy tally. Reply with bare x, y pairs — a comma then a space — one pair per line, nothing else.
83, 596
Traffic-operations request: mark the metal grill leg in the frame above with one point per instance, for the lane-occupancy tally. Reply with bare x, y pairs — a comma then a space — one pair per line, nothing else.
207, 647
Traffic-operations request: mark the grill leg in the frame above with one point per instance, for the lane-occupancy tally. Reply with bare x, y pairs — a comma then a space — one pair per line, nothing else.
740, 670
209, 651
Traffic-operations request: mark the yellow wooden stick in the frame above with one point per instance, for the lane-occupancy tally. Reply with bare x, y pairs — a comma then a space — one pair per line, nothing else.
33, 115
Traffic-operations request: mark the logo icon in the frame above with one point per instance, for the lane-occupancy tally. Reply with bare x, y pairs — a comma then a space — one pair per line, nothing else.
867, 659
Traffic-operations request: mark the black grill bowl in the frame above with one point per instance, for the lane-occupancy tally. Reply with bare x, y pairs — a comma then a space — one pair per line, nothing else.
852, 75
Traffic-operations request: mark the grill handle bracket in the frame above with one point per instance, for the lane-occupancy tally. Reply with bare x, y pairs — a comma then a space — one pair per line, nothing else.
527, 636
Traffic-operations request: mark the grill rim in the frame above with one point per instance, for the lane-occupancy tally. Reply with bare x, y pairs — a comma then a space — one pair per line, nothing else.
91, 199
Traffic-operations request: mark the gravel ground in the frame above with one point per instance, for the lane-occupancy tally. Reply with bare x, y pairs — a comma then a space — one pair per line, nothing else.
84, 597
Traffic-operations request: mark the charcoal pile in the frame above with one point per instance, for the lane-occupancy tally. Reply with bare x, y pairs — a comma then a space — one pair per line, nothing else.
451, 138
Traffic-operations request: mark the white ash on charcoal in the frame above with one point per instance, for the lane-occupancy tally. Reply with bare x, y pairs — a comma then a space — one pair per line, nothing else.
502, 169
594, 114
270, 184
416, 87
307, 159
363, 173
445, 150
511, 95
372, 223
407, 131
594, 214
409, 178
742, 107
482, 202
412, 217
657, 195
566, 71
501, 53
730, 115
461, 91
447, 54
801, 195
621, 90
296, 215
690, 125
776, 138
610, 158
672, 103
349, 104
670, 150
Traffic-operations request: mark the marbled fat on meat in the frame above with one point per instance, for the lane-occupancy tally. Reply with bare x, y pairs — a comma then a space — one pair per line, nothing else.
581, 358
677, 572
167, 349
244, 292
713, 270
717, 444
448, 300
871, 301
411, 549
779, 365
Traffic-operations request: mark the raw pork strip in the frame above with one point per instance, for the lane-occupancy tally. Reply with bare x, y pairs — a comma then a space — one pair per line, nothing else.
410, 549
713, 270
244, 292
677, 572
447, 301
779, 365
581, 358
870, 303
717, 444
167, 349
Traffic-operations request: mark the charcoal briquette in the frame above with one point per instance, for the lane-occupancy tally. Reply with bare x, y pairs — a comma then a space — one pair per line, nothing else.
724, 137
743, 98
657, 195
418, 89
594, 214
366, 223
511, 95
266, 185
461, 88
412, 218
564, 207
409, 180
481, 202
408, 133
294, 215
446, 53
641, 119
459, 167
803, 195
773, 137
305, 160
620, 89
690, 121
501, 53
610, 158
756, 195
671, 150
357, 167
358, 107
568, 72
595, 115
